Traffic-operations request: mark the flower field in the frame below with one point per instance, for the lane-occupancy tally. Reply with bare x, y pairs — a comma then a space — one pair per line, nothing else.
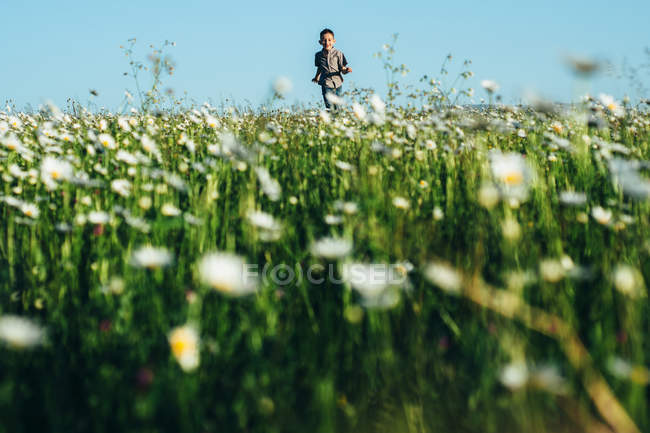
376, 268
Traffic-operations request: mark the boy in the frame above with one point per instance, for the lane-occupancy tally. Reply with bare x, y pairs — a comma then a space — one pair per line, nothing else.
331, 63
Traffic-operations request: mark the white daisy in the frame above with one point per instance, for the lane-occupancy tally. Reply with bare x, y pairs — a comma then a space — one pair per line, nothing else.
227, 273
151, 257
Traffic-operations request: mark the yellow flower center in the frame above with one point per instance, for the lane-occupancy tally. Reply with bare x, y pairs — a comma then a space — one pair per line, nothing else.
179, 345
224, 288
513, 178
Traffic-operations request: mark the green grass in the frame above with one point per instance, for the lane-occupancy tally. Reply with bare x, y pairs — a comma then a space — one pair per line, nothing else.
311, 356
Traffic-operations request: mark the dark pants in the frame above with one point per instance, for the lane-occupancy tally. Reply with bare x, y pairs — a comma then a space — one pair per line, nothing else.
327, 90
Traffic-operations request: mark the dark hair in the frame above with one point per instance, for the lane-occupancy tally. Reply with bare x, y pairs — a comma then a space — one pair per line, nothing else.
325, 31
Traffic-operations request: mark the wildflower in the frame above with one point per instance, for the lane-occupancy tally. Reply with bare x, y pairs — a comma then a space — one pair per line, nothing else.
611, 105
282, 86
270, 186
270, 228
376, 283
629, 281
114, 287
334, 99
129, 158
325, 116
444, 276
488, 196
184, 343
377, 104
345, 166
411, 132
603, 216
121, 187
624, 369
31, 210
490, 86
509, 169
212, 122
169, 209
359, 111
150, 257
551, 270
55, 170
571, 198
348, 207
226, 273
15, 122
123, 123
333, 220
19, 332
148, 144
98, 217
331, 248
401, 203
511, 229
513, 174
106, 140
582, 65
430, 144
514, 375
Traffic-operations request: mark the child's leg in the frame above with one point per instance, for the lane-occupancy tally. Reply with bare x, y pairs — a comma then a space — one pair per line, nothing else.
338, 92
325, 91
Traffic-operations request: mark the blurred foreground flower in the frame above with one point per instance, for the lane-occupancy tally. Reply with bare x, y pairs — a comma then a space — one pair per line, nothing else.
54, 171
151, 257
377, 104
490, 86
603, 216
611, 105
513, 174
20, 333
377, 283
444, 276
584, 66
332, 98
184, 342
227, 273
517, 374
623, 369
282, 86
629, 281
331, 248
270, 229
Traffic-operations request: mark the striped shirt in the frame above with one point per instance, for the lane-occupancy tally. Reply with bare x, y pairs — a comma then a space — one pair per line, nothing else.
329, 66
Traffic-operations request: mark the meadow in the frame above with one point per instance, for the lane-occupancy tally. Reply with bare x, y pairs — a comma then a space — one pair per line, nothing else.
412, 268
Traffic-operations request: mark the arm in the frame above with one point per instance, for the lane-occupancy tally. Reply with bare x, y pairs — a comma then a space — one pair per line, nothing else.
317, 76
345, 69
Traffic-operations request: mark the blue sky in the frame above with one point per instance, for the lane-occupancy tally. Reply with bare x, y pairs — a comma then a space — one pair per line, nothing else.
234, 50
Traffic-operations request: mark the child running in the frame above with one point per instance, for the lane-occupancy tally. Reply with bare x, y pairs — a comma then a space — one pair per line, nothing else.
331, 64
